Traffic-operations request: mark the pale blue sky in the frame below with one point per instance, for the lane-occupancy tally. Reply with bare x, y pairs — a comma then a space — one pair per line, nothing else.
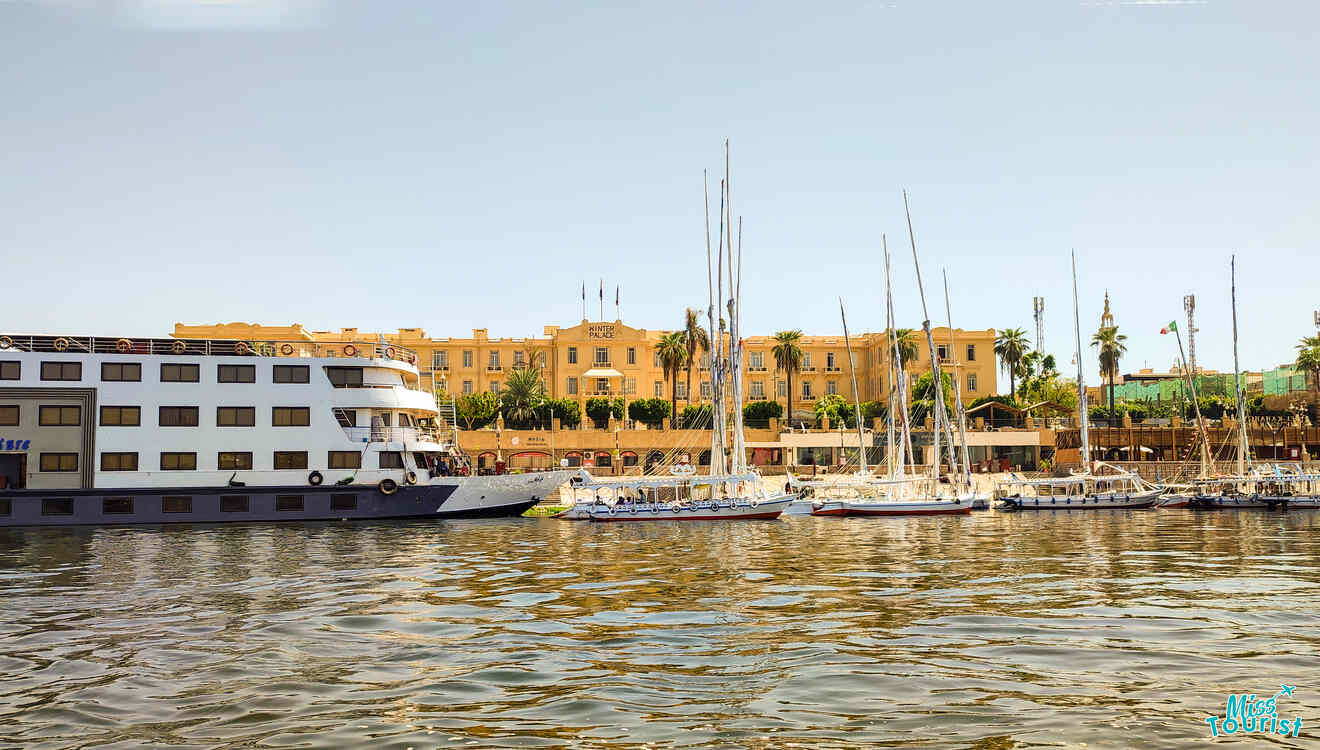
458, 165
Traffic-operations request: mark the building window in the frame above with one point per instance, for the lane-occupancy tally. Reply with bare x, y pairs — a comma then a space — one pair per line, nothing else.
233, 503
570, 386
114, 506
705, 389
632, 355
831, 387
602, 385
119, 462
659, 389
175, 504
11, 369
236, 373
291, 459
494, 386
178, 462
57, 506
180, 373
290, 416
121, 371
234, 461
971, 352
806, 360
178, 416
781, 388
806, 389
121, 416
343, 502
655, 359
439, 360
291, 503
830, 364
971, 381
391, 460
8, 416
518, 359
681, 389
59, 462
467, 358
756, 361
572, 355
292, 374
467, 387
630, 386
344, 377
493, 362
705, 361
344, 460
61, 371
602, 355
59, 416
757, 389
235, 416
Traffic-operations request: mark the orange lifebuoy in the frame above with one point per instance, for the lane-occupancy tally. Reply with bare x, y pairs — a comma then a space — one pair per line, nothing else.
350, 350
389, 352
123, 345
412, 359
241, 348
286, 349
178, 347
61, 344
6, 342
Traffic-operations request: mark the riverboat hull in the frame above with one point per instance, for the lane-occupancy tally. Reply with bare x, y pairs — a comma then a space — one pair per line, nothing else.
740, 510
1116, 501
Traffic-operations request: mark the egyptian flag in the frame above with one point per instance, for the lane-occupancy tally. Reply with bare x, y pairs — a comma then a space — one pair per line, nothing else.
616, 296
1172, 326
602, 290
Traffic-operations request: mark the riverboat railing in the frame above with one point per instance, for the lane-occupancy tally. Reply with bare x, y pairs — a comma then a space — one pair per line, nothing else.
205, 347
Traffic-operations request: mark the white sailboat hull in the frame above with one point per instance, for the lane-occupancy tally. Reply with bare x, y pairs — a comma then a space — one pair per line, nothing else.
883, 507
704, 510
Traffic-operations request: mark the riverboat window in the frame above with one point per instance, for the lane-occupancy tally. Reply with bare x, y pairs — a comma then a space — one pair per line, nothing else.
571, 388
288, 503
343, 502
236, 373
291, 459
6, 507
291, 374
344, 460
119, 462
61, 371
971, 352
572, 355
59, 416
971, 381
8, 416
345, 377
121, 371
175, 504
632, 355
178, 462
178, 416
111, 506
385, 418
419, 459
59, 462
629, 458
391, 460
121, 416
180, 373
11, 369
234, 461
346, 417
57, 506
467, 358
235, 416
291, 416
233, 503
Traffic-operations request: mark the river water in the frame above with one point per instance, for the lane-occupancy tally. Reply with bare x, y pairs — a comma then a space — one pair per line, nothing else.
1096, 629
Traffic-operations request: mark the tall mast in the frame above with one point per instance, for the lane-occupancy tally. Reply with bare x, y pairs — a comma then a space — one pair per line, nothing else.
1081, 377
717, 353
1237, 379
930, 343
957, 390
893, 407
1196, 408
735, 343
857, 404
900, 378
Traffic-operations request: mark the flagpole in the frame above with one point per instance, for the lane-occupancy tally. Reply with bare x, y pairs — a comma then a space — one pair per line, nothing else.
584, 300
617, 315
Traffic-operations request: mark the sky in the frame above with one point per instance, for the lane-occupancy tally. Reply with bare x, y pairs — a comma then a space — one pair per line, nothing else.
454, 166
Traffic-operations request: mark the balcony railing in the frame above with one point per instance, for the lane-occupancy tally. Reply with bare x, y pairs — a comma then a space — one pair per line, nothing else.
205, 347
494, 368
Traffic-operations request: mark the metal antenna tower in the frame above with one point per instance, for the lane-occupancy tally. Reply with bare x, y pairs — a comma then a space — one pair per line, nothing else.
1038, 312
1189, 304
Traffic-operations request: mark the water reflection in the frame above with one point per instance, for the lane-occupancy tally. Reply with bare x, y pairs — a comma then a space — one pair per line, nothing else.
990, 631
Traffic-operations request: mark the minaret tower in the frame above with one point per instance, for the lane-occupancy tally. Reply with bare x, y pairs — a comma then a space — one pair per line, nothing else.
1106, 317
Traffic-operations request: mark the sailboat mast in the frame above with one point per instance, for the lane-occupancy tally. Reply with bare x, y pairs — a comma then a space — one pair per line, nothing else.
938, 383
857, 404
900, 377
966, 462
1237, 378
717, 353
735, 342
893, 408
1081, 377
1196, 408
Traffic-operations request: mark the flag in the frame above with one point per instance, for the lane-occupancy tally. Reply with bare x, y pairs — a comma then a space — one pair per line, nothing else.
1172, 326
602, 290
616, 296
584, 291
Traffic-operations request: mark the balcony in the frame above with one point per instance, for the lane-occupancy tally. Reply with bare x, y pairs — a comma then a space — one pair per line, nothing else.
494, 368
833, 369
601, 363
755, 369
807, 369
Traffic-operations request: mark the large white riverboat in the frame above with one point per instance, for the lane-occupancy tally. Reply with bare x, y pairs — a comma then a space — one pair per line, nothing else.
121, 431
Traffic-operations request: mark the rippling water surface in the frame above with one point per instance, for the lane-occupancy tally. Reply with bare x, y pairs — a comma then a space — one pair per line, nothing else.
1101, 629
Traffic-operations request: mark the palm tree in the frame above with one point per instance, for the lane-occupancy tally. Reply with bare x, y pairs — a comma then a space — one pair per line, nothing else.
523, 392
672, 350
1011, 346
1308, 360
788, 357
696, 338
1109, 343
907, 345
